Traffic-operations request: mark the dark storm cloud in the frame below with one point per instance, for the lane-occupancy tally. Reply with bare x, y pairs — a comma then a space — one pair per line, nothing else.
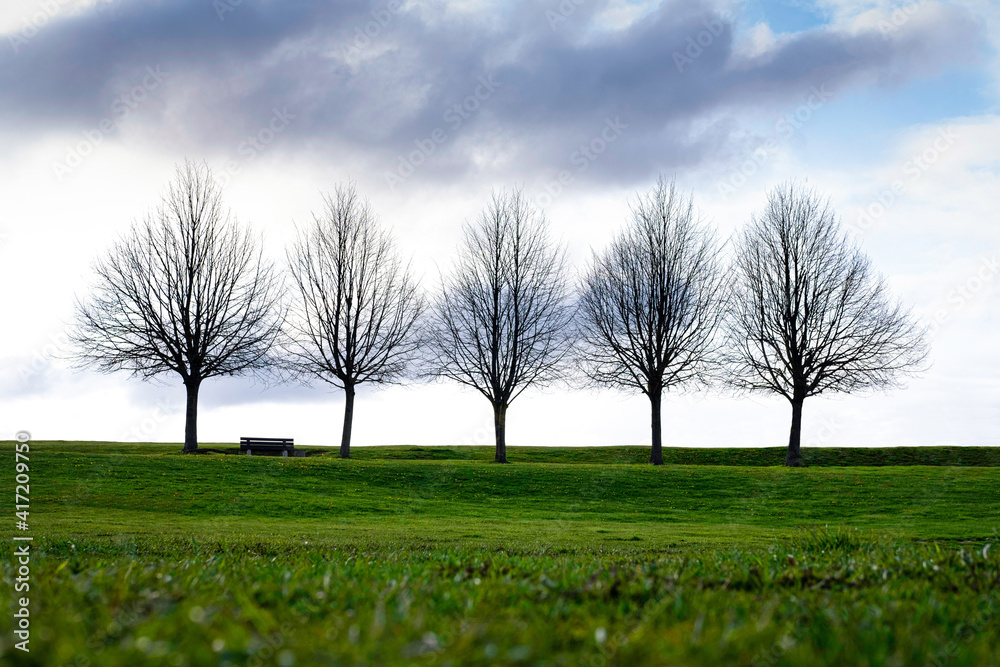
73, 67
537, 82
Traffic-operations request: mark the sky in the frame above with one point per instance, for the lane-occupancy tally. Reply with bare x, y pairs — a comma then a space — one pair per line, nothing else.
889, 109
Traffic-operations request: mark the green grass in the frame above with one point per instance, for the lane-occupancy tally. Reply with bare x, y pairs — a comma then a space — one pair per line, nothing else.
435, 556
724, 456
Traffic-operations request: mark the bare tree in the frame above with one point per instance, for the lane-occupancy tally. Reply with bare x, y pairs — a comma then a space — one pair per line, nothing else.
651, 304
809, 314
186, 291
355, 318
500, 324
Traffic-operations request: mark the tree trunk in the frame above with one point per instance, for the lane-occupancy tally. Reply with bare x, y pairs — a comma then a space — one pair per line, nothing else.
795, 436
345, 438
656, 455
500, 427
191, 416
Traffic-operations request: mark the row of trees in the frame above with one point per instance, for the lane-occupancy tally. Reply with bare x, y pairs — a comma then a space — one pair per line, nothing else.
799, 310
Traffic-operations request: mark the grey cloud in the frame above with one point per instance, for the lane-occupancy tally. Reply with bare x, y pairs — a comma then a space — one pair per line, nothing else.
557, 86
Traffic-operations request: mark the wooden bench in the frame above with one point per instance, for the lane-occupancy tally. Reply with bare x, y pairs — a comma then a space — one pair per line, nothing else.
284, 445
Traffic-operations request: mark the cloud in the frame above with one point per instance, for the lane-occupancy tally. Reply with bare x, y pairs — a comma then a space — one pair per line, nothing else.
369, 82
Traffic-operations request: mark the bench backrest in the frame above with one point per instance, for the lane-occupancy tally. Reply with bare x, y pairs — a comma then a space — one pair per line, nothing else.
289, 442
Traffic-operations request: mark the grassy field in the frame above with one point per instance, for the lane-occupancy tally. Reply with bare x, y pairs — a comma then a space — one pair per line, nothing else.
720, 456
434, 556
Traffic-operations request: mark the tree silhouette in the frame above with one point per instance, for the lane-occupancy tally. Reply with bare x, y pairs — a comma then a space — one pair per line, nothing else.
186, 291
500, 325
809, 314
355, 317
650, 304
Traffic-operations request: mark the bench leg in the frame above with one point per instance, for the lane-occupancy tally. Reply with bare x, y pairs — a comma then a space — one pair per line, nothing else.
249, 452
284, 452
